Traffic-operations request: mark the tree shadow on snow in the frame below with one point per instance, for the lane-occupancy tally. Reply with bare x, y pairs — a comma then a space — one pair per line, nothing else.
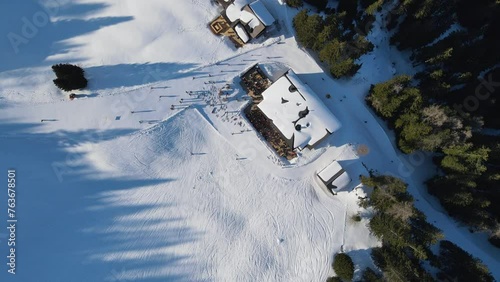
123, 75
29, 37
73, 226
361, 257
81, 9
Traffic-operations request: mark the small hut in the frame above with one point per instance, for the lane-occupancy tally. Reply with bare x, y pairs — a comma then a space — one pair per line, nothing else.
334, 177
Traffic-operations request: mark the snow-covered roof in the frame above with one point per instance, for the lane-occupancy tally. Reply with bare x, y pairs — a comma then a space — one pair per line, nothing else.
240, 30
340, 182
329, 171
255, 26
255, 16
233, 12
334, 176
262, 13
288, 97
249, 18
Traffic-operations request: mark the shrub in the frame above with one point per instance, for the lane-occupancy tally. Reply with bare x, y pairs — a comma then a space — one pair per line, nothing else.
356, 218
343, 266
69, 77
333, 279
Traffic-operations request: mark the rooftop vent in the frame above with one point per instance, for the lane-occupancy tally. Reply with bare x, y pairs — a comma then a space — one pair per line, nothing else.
304, 113
292, 88
298, 127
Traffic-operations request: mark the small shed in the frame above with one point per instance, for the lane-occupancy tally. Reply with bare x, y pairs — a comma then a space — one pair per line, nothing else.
262, 13
253, 17
242, 34
334, 177
297, 112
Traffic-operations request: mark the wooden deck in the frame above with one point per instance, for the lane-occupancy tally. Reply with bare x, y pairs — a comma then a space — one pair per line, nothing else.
255, 82
221, 27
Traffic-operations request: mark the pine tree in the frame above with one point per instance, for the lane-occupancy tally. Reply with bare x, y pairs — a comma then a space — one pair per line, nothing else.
477, 15
295, 3
69, 77
343, 266
412, 132
398, 266
369, 275
350, 7
386, 97
332, 52
359, 46
464, 159
455, 263
424, 21
320, 4
371, 6
307, 27
344, 68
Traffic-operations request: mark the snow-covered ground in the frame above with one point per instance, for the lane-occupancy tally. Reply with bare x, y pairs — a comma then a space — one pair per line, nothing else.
118, 186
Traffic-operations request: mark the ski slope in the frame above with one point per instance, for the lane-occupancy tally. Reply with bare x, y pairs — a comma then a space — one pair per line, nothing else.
118, 186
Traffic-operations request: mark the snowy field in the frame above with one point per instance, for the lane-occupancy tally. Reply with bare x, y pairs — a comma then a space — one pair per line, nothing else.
118, 186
